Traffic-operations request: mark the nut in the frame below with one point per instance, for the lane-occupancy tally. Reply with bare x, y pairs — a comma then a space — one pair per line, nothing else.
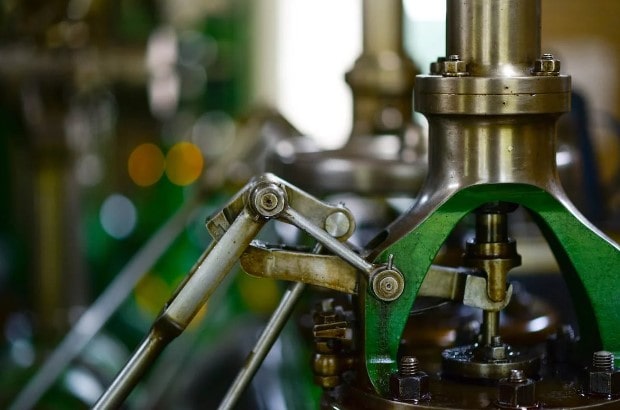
453, 66
268, 200
546, 65
516, 391
497, 351
437, 66
413, 388
603, 377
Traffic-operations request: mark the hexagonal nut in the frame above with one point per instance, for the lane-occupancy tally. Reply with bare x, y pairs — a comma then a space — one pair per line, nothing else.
604, 382
452, 68
547, 66
409, 388
494, 353
516, 394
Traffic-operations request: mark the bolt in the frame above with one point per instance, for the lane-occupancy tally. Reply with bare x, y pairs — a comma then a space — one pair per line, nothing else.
546, 65
409, 383
436, 66
337, 224
516, 376
603, 360
516, 391
603, 378
387, 284
408, 366
268, 200
453, 66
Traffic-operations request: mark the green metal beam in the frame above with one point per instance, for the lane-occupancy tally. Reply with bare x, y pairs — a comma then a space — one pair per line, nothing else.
589, 261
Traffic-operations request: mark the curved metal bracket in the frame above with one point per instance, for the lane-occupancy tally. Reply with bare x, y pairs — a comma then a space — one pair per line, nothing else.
588, 259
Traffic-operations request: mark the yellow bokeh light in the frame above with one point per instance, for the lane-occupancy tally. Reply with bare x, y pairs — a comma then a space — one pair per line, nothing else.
184, 163
151, 293
146, 164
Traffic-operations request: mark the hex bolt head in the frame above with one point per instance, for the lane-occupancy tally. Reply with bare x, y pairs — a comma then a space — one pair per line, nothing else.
546, 65
437, 66
268, 200
453, 66
516, 391
409, 383
603, 378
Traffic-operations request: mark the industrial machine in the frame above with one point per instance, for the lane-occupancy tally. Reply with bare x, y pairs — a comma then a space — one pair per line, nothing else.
492, 104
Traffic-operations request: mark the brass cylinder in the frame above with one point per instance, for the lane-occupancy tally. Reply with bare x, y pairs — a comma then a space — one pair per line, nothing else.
495, 38
378, 36
467, 150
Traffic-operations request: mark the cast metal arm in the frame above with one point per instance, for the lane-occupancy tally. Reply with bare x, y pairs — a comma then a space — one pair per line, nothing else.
465, 285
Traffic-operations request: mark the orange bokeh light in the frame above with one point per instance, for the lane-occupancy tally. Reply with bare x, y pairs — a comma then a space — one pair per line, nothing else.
146, 164
184, 163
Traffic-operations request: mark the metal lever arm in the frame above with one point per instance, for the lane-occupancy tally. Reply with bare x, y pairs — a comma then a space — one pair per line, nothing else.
178, 313
266, 197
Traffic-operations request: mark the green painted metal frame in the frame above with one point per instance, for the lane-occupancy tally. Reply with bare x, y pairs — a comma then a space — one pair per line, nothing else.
590, 263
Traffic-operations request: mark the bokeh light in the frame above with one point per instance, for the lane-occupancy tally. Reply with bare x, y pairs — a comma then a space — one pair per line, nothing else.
146, 164
151, 293
118, 216
184, 163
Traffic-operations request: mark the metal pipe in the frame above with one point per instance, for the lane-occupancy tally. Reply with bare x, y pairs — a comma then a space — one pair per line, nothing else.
379, 37
328, 241
484, 34
184, 304
132, 373
263, 345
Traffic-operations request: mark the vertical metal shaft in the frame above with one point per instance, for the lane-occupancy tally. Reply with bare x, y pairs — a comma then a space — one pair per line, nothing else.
490, 326
378, 36
484, 34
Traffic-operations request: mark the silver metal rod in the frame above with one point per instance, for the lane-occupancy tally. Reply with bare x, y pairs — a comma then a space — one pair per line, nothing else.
184, 304
93, 319
132, 373
263, 345
328, 241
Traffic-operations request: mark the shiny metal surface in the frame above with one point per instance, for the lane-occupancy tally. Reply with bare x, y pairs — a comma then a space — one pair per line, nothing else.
484, 34
263, 345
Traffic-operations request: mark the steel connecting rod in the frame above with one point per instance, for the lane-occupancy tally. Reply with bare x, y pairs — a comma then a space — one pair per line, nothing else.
233, 229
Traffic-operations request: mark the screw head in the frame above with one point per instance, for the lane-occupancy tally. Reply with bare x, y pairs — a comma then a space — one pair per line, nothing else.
269, 200
387, 284
337, 224
453, 66
546, 65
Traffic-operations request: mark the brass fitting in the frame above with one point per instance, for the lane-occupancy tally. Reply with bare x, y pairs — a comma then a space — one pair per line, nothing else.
453, 66
409, 383
603, 377
517, 391
546, 65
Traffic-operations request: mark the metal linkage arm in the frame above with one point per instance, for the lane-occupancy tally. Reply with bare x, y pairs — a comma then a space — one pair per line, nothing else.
233, 228
179, 311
